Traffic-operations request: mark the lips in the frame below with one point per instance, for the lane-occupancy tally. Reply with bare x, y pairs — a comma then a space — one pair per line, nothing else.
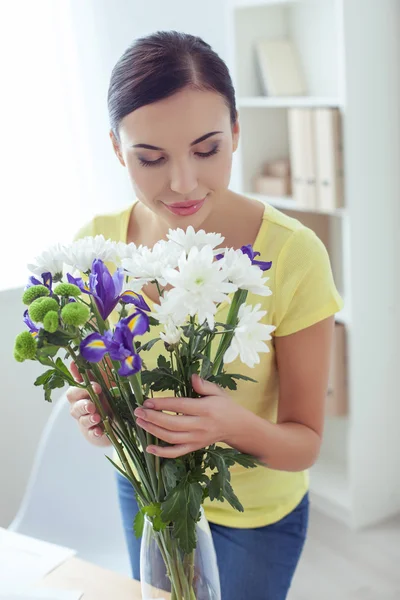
186, 204
186, 208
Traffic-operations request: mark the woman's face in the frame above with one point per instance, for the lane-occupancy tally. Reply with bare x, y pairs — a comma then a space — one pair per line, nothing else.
178, 153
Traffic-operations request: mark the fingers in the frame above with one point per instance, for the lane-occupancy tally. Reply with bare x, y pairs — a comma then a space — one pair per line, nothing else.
172, 437
74, 393
75, 372
172, 451
171, 422
186, 406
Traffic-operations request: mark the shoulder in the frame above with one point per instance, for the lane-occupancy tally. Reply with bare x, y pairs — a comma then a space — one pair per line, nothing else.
111, 225
282, 236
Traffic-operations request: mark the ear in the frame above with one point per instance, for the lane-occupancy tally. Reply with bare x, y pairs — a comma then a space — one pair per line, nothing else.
117, 148
236, 133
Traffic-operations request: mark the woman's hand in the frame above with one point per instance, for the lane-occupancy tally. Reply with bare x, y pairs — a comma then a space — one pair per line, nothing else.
201, 422
85, 412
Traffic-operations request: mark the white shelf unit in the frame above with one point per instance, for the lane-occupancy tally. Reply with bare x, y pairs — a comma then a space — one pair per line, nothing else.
288, 102
357, 476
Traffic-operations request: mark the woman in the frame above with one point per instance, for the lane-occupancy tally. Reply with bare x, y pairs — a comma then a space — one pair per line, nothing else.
174, 126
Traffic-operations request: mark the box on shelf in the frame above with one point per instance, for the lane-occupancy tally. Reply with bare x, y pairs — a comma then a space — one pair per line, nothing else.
337, 396
277, 168
272, 186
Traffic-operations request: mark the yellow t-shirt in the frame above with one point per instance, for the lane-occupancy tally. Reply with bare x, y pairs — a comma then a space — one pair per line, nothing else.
303, 293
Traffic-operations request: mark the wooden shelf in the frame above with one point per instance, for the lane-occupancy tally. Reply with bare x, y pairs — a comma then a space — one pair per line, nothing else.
288, 203
288, 102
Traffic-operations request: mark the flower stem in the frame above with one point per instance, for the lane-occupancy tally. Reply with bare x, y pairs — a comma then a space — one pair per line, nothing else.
238, 299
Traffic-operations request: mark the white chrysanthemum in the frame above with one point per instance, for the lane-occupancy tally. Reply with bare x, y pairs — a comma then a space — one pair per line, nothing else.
81, 254
190, 238
241, 272
149, 264
123, 250
49, 261
199, 285
250, 336
171, 334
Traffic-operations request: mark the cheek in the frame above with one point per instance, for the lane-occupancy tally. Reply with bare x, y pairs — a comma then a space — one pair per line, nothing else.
217, 172
145, 180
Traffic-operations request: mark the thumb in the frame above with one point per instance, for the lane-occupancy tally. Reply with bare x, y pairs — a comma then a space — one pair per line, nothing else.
206, 388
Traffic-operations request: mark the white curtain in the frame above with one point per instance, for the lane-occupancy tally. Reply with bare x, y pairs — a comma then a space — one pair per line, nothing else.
44, 148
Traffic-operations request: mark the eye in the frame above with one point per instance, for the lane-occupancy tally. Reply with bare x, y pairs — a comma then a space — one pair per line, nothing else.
213, 151
151, 163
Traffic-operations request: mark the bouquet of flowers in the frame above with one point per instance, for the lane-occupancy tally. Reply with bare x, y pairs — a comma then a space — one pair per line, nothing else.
86, 302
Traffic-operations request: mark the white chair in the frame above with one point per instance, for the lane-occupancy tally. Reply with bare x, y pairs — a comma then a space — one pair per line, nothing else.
71, 498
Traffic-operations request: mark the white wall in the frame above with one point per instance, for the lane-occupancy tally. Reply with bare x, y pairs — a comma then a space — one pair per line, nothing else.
103, 30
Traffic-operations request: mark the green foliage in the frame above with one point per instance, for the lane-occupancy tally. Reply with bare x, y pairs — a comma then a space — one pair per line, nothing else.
54, 378
182, 507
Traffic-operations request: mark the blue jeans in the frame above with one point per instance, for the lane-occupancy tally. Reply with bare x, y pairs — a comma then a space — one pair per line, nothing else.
257, 564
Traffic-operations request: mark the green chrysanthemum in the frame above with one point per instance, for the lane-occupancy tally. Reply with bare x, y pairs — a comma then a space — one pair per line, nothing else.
50, 321
25, 347
40, 307
75, 314
18, 357
36, 291
67, 290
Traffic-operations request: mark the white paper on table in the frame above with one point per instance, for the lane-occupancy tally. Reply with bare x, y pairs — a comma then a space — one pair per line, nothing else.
25, 560
43, 594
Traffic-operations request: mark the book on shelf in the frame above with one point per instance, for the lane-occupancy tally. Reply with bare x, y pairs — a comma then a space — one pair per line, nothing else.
329, 154
302, 157
315, 140
280, 68
337, 396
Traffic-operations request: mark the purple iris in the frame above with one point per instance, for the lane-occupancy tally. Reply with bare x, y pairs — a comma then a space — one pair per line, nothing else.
120, 346
47, 281
31, 325
248, 250
106, 289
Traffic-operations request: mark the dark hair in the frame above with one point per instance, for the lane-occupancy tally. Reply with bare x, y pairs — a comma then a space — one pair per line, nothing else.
159, 65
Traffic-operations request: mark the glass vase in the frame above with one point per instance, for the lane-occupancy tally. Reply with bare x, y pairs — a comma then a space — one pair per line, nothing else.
167, 573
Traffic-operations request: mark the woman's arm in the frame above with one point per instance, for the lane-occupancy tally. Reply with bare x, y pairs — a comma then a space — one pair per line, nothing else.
293, 444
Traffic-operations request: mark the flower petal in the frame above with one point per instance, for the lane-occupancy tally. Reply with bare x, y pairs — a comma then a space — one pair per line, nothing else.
130, 297
93, 347
138, 323
131, 365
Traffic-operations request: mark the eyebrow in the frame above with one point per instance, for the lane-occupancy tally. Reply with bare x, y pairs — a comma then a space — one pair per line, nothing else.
200, 139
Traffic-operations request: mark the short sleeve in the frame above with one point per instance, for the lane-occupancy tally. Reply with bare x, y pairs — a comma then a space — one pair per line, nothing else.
305, 289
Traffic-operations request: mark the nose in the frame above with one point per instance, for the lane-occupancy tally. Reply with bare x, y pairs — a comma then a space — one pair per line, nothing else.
183, 178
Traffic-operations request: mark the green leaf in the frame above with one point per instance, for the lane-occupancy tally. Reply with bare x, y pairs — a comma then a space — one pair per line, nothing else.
48, 350
163, 363
205, 371
62, 367
59, 338
153, 511
138, 524
148, 345
173, 471
221, 489
44, 377
182, 507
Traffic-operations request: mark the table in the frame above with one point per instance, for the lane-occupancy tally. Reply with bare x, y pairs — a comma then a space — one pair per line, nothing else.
96, 583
